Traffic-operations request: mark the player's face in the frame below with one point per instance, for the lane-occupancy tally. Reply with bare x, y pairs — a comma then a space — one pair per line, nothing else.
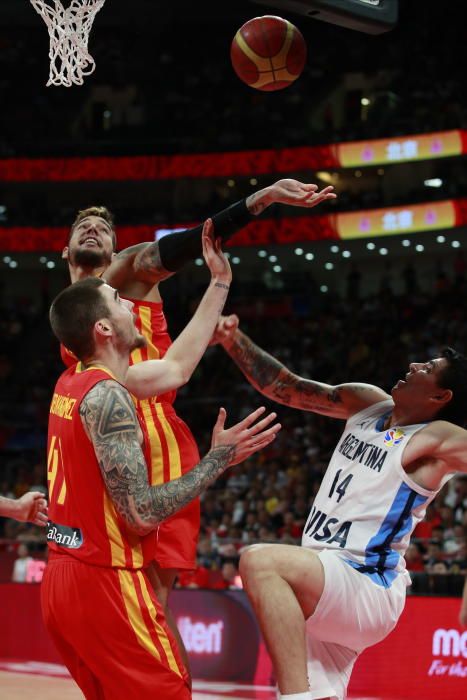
421, 381
91, 244
123, 320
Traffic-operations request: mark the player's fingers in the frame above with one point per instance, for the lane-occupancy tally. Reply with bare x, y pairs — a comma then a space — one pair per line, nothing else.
323, 193
228, 327
263, 441
207, 235
262, 424
308, 186
208, 228
272, 430
251, 417
229, 322
265, 438
218, 245
303, 195
40, 519
317, 199
220, 422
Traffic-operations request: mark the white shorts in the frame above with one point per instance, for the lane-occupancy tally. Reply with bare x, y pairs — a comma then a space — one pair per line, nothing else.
353, 613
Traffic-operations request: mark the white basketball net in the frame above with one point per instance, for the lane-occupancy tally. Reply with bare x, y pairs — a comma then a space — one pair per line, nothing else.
69, 32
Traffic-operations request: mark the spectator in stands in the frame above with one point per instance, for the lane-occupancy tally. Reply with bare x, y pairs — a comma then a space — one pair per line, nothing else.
230, 577
199, 578
425, 528
414, 558
20, 567
434, 554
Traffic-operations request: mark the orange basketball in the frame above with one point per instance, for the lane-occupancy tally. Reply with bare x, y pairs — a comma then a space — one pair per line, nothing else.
268, 53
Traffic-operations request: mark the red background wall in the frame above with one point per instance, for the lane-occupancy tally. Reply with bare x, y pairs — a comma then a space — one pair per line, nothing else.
219, 626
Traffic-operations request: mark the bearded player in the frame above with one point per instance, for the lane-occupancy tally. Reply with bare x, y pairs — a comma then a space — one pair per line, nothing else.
136, 272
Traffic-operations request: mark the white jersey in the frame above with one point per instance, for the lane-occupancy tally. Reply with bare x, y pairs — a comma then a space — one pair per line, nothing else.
367, 506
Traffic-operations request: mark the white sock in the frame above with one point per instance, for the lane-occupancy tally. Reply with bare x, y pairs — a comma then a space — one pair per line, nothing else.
297, 696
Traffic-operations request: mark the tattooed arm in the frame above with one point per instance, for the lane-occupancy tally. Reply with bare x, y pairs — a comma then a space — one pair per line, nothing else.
110, 421
278, 383
149, 263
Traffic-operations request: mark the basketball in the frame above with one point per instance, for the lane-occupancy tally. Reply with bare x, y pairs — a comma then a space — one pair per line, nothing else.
268, 53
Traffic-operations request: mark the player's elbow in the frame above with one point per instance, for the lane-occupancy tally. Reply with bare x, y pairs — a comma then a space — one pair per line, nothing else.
137, 515
176, 375
148, 268
140, 527
184, 376
141, 390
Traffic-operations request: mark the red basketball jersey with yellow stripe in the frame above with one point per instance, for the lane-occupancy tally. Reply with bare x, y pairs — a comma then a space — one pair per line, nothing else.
83, 521
172, 445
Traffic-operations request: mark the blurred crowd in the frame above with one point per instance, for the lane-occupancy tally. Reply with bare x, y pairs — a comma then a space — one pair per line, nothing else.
352, 337
155, 82
167, 87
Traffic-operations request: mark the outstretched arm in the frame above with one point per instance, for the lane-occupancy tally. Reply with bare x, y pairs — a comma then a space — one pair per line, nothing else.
153, 377
150, 263
278, 383
114, 434
32, 507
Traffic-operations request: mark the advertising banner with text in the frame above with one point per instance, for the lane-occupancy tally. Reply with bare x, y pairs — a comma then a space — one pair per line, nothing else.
424, 658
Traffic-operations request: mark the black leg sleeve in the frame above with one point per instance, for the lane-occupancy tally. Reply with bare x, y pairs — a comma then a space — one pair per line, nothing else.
177, 249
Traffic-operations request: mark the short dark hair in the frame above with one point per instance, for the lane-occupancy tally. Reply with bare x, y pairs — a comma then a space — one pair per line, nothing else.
454, 377
100, 211
74, 312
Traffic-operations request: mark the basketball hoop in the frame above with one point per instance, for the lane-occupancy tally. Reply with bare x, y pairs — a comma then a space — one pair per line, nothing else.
69, 31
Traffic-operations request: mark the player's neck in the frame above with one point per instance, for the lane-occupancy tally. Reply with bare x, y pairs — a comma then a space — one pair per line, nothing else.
408, 415
111, 361
78, 272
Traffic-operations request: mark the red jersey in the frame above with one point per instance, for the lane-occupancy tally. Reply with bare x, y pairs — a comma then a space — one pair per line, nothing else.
173, 448
151, 323
83, 521
68, 358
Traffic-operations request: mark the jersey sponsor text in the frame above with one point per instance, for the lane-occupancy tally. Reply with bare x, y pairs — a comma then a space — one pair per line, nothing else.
322, 528
364, 452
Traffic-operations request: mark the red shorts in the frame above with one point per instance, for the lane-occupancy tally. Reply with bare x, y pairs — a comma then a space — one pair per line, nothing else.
111, 632
173, 453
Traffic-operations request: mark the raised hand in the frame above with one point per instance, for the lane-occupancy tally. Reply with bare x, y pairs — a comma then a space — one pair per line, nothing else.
246, 437
214, 256
288, 191
300, 194
225, 330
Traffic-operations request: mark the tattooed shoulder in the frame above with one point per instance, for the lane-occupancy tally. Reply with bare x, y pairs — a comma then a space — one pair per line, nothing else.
108, 409
148, 263
131, 251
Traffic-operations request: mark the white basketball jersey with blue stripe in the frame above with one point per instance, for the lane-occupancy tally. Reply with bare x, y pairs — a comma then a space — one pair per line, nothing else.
367, 506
